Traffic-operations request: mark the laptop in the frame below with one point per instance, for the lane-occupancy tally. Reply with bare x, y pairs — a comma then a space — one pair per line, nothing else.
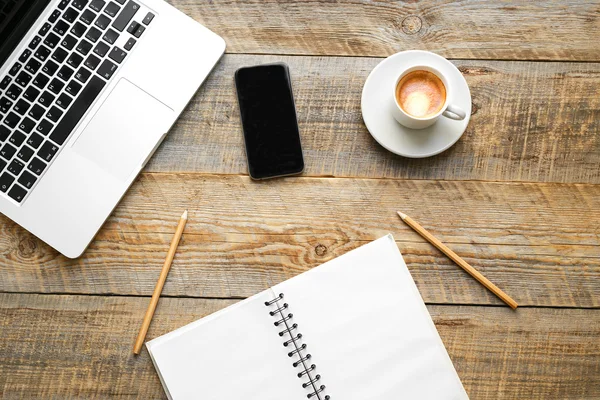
88, 91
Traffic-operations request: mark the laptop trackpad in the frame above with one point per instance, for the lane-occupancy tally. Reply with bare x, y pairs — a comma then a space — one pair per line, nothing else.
124, 130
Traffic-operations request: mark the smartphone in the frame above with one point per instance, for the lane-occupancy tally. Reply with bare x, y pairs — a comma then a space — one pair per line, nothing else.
269, 121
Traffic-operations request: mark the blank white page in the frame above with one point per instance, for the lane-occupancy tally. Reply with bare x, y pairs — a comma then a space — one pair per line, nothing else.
233, 354
368, 330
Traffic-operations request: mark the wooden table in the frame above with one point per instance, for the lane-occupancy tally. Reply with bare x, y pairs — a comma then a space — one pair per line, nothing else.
518, 197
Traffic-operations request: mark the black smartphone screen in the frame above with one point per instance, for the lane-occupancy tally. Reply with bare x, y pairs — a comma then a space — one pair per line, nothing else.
269, 121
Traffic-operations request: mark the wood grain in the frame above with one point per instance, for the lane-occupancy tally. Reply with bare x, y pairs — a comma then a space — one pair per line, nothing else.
58, 346
537, 242
512, 29
531, 122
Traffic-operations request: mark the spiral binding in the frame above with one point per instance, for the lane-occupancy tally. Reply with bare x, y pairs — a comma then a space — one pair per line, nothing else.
299, 350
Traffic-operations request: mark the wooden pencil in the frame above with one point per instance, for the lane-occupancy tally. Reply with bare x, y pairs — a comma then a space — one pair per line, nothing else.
159, 285
458, 260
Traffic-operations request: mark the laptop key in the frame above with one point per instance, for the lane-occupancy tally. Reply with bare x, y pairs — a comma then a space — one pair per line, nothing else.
17, 138
6, 180
13, 91
25, 153
27, 179
63, 4
111, 36
14, 69
121, 1
25, 55
84, 47
93, 34
133, 27
35, 140
125, 16
44, 29
59, 55
92, 62
34, 42
54, 16
33, 66
5, 82
4, 134
47, 151
63, 101
73, 88
70, 15
77, 110
40, 80
69, 42
31, 93
107, 69
27, 125
117, 55
21, 107
54, 114
83, 75
88, 16
42, 53
11, 120
138, 32
36, 112
17, 193
112, 9
51, 40
56, 86
129, 45
44, 127
50, 67
15, 167
148, 18
97, 5
61, 27
101, 49
75, 60
36, 166
7, 151
65, 73
5, 105
102, 22
78, 29
23, 79
46, 99
79, 4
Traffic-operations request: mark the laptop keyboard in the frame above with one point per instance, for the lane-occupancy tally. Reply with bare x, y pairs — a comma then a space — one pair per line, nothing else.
58, 76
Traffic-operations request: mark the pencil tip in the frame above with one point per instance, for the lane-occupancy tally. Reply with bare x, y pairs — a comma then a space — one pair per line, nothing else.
184, 215
402, 215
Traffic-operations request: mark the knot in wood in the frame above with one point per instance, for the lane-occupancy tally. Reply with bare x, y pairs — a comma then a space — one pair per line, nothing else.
27, 247
412, 24
320, 250
474, 108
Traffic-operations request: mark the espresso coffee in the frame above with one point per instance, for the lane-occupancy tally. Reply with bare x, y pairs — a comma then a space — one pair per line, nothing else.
421, 94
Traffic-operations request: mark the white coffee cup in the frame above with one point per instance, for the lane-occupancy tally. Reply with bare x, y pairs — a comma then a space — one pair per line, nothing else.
447, 110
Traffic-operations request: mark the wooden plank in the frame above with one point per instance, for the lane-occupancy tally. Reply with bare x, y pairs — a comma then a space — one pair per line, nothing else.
531, 122
541, 30
56, 346
538, 242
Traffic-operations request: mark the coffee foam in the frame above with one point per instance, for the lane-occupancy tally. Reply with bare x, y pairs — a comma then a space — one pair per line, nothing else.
421, 93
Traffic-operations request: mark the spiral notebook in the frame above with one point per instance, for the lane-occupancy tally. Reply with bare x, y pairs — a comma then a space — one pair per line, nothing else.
354, 328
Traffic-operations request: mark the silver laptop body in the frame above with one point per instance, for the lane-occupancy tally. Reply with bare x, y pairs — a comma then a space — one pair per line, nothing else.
80, 116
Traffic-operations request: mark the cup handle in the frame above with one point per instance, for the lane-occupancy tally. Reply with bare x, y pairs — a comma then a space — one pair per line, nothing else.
454, 112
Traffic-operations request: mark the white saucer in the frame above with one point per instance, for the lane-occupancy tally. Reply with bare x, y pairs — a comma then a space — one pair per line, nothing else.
377, 98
